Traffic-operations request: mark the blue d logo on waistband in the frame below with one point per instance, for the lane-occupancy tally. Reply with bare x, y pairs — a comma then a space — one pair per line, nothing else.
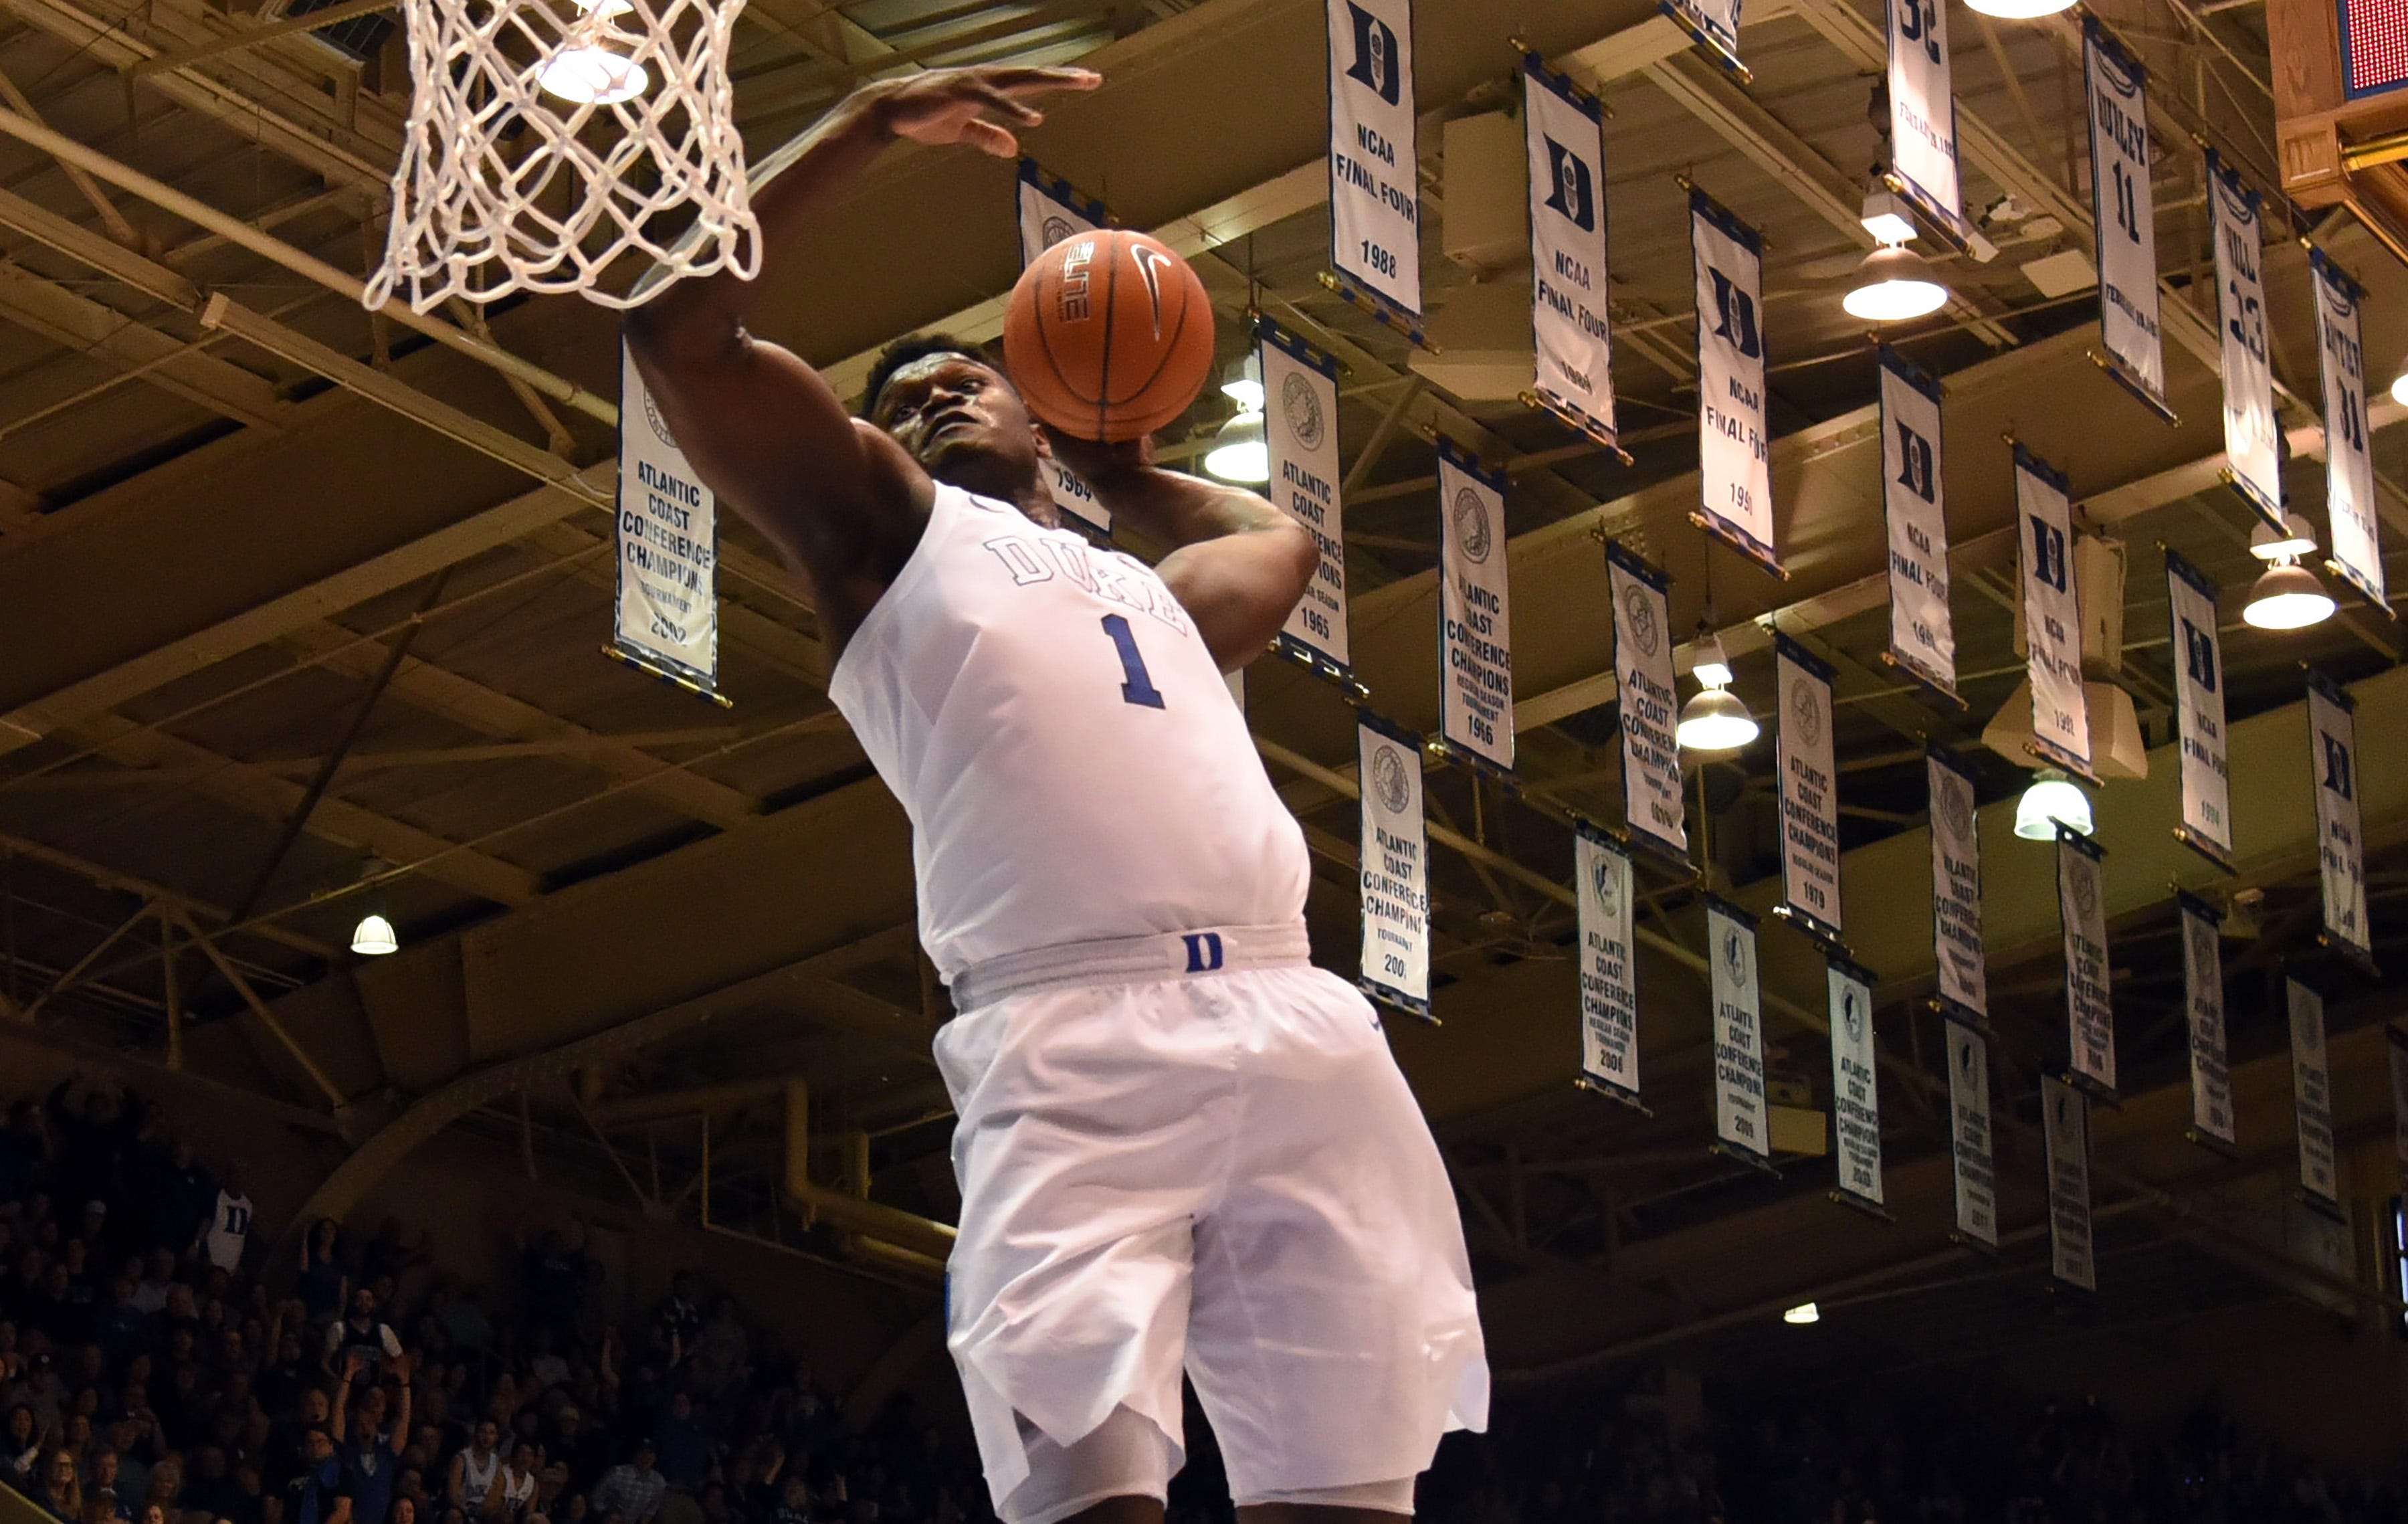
1203, 951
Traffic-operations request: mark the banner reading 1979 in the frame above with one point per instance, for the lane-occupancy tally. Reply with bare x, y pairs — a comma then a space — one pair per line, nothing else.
1051, 210
1563, 129
2125, 216
1375, 242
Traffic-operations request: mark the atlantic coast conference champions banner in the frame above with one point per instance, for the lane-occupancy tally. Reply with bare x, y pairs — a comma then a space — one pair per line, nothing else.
1652, 801
2251, 434
1394, 856
1475, 632
1734, 437
1050, 212
1608, 967
1563, 125
666, 534
1923, 110
1300, 429
1855, 1087
2125, 216
2332, 741
1807, 784
2052, 614
1969, 1135
2064, 1118
2349, 470
1375, 240
1963, 988
1740, 1126
1922, 635
2210, 1075
2081, 902
2198, 713
2312, 1096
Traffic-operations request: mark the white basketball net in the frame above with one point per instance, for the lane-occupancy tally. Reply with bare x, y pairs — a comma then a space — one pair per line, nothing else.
548, 137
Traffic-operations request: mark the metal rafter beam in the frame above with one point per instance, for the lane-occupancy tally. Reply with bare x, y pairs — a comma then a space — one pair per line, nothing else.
102, 333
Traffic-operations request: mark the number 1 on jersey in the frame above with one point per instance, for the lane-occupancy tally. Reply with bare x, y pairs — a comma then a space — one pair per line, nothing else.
1136, 686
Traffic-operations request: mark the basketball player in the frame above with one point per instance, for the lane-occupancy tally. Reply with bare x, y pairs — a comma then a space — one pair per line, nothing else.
1178, 1141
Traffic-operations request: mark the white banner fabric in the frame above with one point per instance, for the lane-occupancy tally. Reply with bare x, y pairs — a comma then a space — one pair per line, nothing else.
1969, 1134
1652, 799
1301, 429
1050, 212
2252, 433
2312, 1096
2211, 1077
2125, 215
1855, 1090
1807, 784
1713, 23
666, 614
1608, 967
1563, 125
2349, 469
2065, 1113
1475, 632
1964, 986
1923, 109
1395, 854
2081, 903
2199, 712
2332, 738
1922, 633
1375, 239
1734, 436
1741, 1123
2052, 614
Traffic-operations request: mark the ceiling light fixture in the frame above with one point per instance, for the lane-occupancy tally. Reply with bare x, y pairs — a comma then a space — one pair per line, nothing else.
2288, 597
1239, 453
1804, 1312
1886, 216
1893, 284
2019, 10
374, 937
2399, 388
1714, 721
2293, 540
1244, 386
2053, 799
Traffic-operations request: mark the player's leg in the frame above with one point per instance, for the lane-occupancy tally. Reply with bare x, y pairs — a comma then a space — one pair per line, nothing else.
1309, 1513
1120, 1474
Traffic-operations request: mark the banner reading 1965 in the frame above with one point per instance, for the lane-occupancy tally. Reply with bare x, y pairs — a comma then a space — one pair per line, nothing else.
1608, 968
1563, 127
1963, 989
1642, 668
2252, 435
2349, 470
2199, 714
1734, 434
1375, 241
1395, 856
1051, 210
1474, 620
2052, 614
2332, 742
666, 612
1806, 784
1300, 430
2126, 217
1922, 632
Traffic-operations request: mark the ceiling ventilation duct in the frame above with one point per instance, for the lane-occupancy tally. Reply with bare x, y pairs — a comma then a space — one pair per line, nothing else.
1481, 343
2117, 747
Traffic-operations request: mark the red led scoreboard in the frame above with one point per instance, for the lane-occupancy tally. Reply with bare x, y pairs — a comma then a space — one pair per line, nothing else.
2373, 46
2341, 106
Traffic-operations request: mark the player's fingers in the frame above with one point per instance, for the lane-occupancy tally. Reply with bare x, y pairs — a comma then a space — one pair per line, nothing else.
1011, 108
989, 138
1029, 78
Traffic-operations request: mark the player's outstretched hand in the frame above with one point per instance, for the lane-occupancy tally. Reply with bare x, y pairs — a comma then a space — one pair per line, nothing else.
956, 105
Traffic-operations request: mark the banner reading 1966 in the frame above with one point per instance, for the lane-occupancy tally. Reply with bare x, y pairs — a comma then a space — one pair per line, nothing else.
1922, 633
1643, 668
2211, 1077
1741, 1125
1051, 210
1923, 110
1474, 620
1563, 127
2349, 470
1395, 856
1375, 241
2126, 217
2252, 435
1300, 430
2198, 713
2052, 614
1969, 1135
2332, 742
666, 612
1807, 786
1963, 990
1734, 434
1608, 968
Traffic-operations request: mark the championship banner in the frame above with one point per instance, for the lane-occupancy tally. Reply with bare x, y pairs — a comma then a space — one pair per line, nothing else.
1375, 238
1300, 429
1643, 661
2312, 1097
2252, 433
2211, 1078
2349, 469
1395, 856
1807, 783
1734, 437
1855, 1092
2125, 216
1923, 112
2332, 741
1608, 967
2081, 903
665, 619
2198, 713
1922, 633
2052, 614
1969, 1135
1964, 987
1475, 634
2396, 1044
2065, 1115
1564, 129
1742, 1128
1711, 25
1050, 212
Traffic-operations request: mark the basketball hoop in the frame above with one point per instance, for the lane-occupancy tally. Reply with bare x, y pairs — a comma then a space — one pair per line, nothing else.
548, 138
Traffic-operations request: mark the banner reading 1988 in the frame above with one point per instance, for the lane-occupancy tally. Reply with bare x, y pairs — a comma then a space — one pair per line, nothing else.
2052, 614
1963, 990
1734, 434
667, 616
1740, 1126
1375, 240
1608, 968
1922, 633
1807, 785
1300, 430
1050, 212
1395, 856
2198, 713
1475, 632
2349, 470
1652, 800
2252, 435
1563, 127
2126, 217
1923, 110
2333, 752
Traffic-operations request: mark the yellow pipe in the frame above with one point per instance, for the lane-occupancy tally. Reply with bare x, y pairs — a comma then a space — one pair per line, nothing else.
895, 1228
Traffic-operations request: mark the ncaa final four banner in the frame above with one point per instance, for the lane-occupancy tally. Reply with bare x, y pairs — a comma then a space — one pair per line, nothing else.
1608, 967
1734, 436
2052, 614
1742, 1126
1922, 634
2312, 1097
1923, 112
666, 615
1475, 632
1969, 1135
2349, 470
2082, 904
1651, 802
1375, 238
1807, 782
2065, 1123
2198, 713
1855, 1087
1051, 210
1395, 856
1963, 990
2125, 218
1564, 129
2251, 434
2341, 854
2210, 1074
1300, 431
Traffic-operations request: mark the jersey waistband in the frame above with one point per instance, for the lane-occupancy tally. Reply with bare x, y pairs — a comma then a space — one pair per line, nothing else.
1116, 960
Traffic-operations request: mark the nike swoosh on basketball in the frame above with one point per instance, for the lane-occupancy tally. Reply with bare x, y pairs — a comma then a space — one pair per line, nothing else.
1150, 262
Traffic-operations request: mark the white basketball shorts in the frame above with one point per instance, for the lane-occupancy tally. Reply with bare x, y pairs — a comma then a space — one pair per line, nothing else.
1197, 1150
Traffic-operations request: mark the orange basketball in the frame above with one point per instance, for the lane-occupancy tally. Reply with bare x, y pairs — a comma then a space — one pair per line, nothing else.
1109, 336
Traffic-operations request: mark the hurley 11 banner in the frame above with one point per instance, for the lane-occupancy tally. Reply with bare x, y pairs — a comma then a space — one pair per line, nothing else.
2332, 741
2125, 216
1806, 784
1394, 856
1734, 436
666, 614
1608, 968
1742, 1128
2312, 1096
2211, 1079
2252, 436
1375, 240
2349, 470
1923, 112
2052, 614
2081, 902
1563, 125
1643, 668
2198, 713
1922, 634
1969, 1135
1051, 210
1300, 431
2064, 1118
1964, 987
1856, 1091
1475, 634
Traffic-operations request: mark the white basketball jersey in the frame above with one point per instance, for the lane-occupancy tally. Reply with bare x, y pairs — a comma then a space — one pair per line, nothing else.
1072, 763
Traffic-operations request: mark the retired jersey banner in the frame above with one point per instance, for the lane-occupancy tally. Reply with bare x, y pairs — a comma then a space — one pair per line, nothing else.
1713, 24
1964, 990
2081, 903
1643, 668
1923, 112
2198, 713
2332, 741
2211, 1078
1375, 238
1608, 967
2126, 217
1475, 637
1300, 429
2064, 1118
1807, 783
1050, 212
2312, 1096
1395, 857
2052, 614
1742, 1126
1734, 436
2349, 470
2395, 1043
1568, 286
1922, 634
1969, 1134
2251, 434
1855, 1090
665, 619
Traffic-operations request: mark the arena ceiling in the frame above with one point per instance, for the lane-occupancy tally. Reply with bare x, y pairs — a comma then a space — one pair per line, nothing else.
303, 611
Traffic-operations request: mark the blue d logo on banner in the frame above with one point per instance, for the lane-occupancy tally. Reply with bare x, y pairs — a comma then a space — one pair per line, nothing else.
1736, 310
1375, 54
1573, 197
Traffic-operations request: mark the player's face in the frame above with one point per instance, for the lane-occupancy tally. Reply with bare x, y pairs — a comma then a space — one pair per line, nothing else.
963, 421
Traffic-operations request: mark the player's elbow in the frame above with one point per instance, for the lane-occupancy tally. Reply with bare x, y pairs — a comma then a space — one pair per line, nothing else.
668, 336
